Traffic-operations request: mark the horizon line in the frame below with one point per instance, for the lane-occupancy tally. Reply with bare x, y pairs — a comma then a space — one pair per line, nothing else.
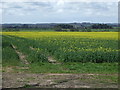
57, 22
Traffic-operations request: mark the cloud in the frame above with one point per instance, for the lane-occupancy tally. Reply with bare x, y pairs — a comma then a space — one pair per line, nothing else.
59, 11
103, 9
60, 0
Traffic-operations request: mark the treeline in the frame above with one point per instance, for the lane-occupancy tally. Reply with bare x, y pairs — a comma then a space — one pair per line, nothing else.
101, 26
62, 28
68, 27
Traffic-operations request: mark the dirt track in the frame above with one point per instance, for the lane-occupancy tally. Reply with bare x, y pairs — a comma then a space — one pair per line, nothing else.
21, 80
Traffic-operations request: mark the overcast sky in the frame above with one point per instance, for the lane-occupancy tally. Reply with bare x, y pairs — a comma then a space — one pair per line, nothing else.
52, 12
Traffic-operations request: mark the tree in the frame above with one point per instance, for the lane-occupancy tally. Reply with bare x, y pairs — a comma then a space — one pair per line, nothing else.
25, 26
63, 27
101, 26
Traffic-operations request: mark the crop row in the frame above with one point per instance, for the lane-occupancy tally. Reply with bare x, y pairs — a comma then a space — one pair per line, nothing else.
68, 47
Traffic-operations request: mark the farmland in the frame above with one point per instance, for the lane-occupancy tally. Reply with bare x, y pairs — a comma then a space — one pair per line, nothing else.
73, 52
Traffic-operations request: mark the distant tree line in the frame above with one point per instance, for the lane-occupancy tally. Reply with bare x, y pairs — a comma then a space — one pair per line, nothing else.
11, 29
72, 28
64, 27
101, 26
28, 26
59, 27
68, 27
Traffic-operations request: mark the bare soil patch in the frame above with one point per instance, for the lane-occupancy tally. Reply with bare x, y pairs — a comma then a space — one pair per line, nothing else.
23, 80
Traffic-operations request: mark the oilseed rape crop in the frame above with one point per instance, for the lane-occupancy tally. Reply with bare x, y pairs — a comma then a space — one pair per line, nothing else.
97, 47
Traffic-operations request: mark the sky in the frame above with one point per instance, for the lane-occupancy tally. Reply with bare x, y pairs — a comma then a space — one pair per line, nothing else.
59, 12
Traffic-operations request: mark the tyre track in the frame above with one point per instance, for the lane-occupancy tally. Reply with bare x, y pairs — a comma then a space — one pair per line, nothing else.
22, 57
